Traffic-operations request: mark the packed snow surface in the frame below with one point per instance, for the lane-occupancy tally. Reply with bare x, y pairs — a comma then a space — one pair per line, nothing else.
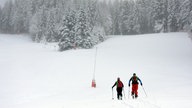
36, 75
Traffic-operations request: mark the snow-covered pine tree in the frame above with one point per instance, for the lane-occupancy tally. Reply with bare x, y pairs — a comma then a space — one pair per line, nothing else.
27, 15
160, 15
34, 29
50, 26
186, 15
67, 32
143, 12
129, 20
38, 25
97, 19
1, 18
174, 14
17, 18
190, 17
115, 17
83, 35
92, 13
105, 18
7, 13
21, 17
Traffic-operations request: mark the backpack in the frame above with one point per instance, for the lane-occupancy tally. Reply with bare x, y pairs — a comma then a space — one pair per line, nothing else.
134, 80
119, 84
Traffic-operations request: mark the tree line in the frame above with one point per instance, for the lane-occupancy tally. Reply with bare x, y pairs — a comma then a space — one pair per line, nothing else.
84, 23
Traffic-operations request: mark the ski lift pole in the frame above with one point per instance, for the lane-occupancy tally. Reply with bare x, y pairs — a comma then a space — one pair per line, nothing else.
93, 80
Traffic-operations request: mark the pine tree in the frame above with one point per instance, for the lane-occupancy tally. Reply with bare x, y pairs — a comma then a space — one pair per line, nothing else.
34, 29
160, 15
186, 15
83, 35
50, 32
190, 16
129, 21
115, 16
38, 25
67, 32
144, 14
1, 18
174, 15
104, 19
7, 13
21, 17
92, 13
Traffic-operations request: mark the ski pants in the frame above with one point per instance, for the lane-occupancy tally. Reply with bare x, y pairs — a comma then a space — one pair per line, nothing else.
134, 89
119, 93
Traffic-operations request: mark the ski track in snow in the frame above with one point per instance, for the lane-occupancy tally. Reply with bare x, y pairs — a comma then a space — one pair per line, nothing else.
136, 103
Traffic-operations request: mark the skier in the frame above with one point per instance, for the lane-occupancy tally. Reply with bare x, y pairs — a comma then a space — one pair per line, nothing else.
135, 83
119, 87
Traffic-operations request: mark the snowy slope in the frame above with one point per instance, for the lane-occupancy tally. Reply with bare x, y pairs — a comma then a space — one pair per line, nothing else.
35, 75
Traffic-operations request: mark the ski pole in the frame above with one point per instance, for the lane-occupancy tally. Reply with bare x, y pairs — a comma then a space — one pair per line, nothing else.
124, 94
112, 94
128, 92
144, 91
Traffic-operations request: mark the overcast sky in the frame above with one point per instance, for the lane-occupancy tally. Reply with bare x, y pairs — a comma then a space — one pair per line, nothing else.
2, 2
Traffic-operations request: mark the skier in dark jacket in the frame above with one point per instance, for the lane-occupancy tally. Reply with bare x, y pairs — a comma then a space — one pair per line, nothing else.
119, 87
134, 79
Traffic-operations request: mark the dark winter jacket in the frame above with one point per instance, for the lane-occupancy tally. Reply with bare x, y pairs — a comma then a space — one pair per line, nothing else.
135, 80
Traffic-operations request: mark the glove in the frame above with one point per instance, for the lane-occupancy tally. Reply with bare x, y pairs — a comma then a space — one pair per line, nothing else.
129, 85
141, 84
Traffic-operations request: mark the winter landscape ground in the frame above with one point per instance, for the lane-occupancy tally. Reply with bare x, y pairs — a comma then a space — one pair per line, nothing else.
35, 75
